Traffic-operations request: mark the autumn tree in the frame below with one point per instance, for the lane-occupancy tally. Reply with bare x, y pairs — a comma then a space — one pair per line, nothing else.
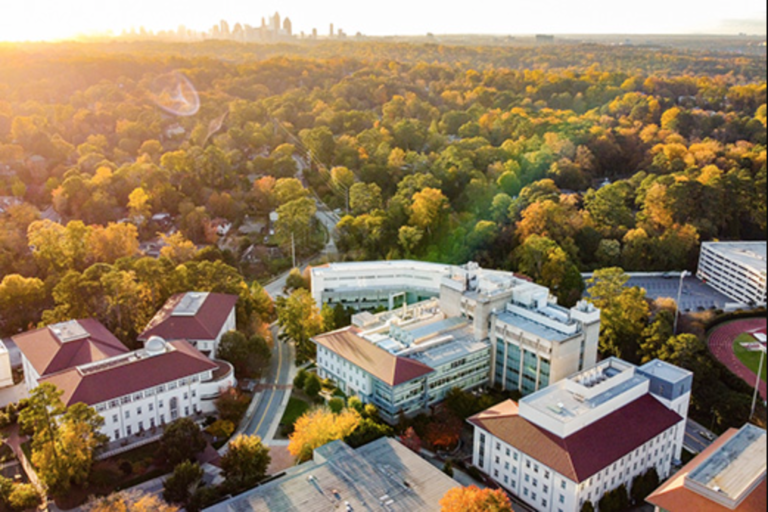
109, 244
474, 499
428, 208
545, 262
21, 302
245, 463
411, 439
177, 248
300, 319
64, 440
318, 427
128, 501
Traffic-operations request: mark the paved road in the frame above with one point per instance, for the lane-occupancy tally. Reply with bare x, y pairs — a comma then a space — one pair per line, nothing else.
693, 441
278, 385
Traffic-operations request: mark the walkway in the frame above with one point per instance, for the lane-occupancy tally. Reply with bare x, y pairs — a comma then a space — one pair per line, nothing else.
721, 345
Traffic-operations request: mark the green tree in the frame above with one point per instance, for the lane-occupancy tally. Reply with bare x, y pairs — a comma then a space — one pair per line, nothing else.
249, 356
300, 378
615, 500
364, 198
294, 221
545, 262
182, 484
587, 507
288, 189
312, 385
319, 141
643, 485
624, 313
245, 463
336, 405
181, 441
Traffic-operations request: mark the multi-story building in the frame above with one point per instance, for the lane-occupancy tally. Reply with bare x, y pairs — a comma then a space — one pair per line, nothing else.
585, 435
729, 475
201, 318
535, 341
132, 390
404, 360
736, 269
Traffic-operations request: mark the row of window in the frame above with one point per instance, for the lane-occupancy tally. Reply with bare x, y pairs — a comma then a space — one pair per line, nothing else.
162, 388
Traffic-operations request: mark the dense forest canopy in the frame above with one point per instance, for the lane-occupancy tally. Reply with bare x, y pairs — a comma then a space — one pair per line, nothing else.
547, 159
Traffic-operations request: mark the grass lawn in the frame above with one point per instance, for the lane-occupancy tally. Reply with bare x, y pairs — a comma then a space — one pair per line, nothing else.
750, 359
295, 408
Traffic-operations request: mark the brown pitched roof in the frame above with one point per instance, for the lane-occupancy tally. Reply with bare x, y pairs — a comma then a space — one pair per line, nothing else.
673, 496
130, 375
48, 354
383, 365
591, 449
203, 325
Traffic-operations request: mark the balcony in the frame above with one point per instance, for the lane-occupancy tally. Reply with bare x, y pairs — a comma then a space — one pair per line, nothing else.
223, 378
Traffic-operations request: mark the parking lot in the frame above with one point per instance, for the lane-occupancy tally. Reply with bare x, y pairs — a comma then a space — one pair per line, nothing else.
695, 296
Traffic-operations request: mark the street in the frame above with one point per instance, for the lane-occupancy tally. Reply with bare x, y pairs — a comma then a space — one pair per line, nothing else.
693, 441
273, 391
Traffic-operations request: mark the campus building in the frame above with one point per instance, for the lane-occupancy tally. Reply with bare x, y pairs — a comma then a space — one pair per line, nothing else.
736, 269
201, 318
729, 475
404, 360
585, 435
529, 340
132, 390
381, 475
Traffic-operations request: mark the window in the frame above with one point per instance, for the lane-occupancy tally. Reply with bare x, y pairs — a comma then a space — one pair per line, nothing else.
138, 410
497, 459
114, 418
186, 395
151, 422
562, 484
525, 492
127, 414
514, 456
545, 488
194, 393
151, 406
186, 410
562, 498
514, 484
138, 396
533, 495
535, 468
546, 473
506, 465
506, 479
544, 503
162, 418
528, 464
125, 400
141, 425
128, 430
496, 473
535, 482
160, 403
514, 470
527, 478
498, 445
117, 434
508, 452
113, 403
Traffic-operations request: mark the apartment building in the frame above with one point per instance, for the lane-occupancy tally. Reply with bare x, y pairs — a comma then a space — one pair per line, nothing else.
585, 435
736, 269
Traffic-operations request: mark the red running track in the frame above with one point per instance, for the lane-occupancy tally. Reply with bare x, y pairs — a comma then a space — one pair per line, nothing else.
721, 346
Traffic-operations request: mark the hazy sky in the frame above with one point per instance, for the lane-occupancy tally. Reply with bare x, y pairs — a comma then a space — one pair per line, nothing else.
53, 19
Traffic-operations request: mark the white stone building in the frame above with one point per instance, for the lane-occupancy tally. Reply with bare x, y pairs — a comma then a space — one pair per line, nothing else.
132, 390
575, 440
201, 318
736, 269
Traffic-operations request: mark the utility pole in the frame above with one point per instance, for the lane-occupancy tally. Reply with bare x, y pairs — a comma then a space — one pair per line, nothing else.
757, 382
677, 304
293, 250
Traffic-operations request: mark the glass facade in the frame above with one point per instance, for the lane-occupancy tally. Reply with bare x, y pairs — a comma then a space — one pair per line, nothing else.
524, 368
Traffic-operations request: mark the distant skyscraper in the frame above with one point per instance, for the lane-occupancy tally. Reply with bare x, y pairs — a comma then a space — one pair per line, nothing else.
314, 33
224, 28
276, 22
287, 26
330, 34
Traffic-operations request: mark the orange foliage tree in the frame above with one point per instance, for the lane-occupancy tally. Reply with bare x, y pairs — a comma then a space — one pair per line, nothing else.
474, 499
319, 427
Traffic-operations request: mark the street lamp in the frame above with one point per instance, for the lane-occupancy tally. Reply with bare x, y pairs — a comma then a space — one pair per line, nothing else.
677, 304
757, 380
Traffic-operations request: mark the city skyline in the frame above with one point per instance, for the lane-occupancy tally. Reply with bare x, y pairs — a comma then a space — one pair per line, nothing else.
48, 20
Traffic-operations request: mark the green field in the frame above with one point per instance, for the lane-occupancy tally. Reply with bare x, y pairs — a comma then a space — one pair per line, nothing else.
750, 359
295, 408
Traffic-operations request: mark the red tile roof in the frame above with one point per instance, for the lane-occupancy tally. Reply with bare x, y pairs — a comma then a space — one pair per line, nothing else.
387, 367
48, 354
204, 325
673, 496
591, 449
93, 387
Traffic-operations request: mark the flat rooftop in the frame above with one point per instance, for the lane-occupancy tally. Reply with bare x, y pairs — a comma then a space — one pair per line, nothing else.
533, 327
735, 468
579, 394
665, 371
749, 254
382, 475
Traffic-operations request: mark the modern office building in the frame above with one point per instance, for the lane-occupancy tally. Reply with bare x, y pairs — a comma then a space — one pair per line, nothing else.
201, 318
404, 360
585, 435
729, 475
534, 341
736, 269
381, 475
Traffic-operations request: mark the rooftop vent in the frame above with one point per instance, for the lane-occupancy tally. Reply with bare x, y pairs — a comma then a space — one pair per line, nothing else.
190, 304
155, 345
68, 331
